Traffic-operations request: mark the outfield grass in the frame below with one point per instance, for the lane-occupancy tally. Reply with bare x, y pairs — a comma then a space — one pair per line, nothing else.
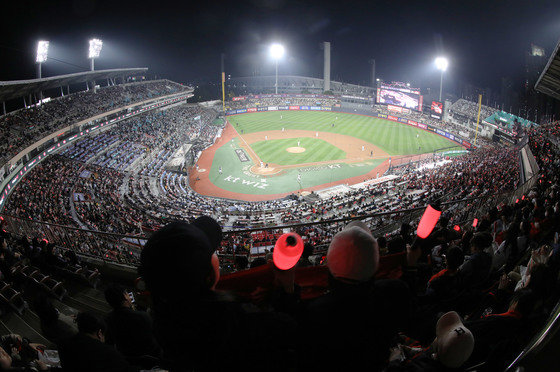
316, 150
236, 177
394, 138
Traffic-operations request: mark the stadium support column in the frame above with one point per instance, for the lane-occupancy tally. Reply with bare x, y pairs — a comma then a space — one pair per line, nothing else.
327, 66
373, 81
223, 86
39, 75
477, 117
92, 68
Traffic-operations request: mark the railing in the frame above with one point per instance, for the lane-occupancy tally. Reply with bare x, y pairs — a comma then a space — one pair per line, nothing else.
409, 159
125, 249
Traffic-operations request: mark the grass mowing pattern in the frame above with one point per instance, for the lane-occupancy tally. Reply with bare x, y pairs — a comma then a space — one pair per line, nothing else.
236, 176
316, 150
394, 138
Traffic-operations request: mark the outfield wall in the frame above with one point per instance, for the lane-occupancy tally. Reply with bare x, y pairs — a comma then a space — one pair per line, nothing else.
394, 118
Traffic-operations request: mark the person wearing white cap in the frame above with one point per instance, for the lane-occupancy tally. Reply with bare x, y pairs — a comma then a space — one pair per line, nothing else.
352, 325
452, 347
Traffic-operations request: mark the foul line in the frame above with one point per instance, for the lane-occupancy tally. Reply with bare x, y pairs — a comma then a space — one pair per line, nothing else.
246, 144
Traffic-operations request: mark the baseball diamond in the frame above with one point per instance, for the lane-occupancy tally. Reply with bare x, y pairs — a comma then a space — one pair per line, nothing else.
281, 145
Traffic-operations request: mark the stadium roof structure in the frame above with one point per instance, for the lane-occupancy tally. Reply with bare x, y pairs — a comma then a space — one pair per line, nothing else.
549, 81
20, 88
295, 84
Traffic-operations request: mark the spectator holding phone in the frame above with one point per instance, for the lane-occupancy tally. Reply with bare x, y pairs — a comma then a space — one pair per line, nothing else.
130, 330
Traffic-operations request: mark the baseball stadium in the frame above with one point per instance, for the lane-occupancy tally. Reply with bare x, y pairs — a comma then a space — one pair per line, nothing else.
282, 222
272, 154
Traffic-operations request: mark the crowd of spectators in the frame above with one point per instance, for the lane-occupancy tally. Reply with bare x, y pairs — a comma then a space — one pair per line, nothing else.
259, 101
495, 284
23, 127
462, 296
133, 193
469, 109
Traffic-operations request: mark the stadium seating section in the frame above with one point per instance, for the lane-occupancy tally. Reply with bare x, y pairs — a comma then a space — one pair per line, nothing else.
116, 181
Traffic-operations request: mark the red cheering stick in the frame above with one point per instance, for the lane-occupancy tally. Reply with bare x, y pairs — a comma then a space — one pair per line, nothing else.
287, 251
428, 222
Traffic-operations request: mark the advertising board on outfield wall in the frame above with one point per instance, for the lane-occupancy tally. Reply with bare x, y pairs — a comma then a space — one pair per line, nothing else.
259, 96
397, 119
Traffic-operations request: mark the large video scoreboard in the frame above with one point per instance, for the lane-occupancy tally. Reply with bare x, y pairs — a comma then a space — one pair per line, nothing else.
399, 96
436, 110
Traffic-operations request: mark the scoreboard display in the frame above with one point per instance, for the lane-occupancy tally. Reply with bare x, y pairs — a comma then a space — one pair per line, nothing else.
436, 110
409, 98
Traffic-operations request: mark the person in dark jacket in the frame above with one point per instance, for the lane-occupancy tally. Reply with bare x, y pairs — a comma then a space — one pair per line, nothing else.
444, 284
55, 326
475, 271
86, 351
499, 336
129, 330
197, 327
352, 325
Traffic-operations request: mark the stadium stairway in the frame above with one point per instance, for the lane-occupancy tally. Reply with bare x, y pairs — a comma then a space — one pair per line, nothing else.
79, 297
83, 298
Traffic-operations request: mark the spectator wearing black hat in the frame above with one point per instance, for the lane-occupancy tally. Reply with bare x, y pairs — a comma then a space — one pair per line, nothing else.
128, 329
86, 351
307, 252
444, 284
475, 271
197, 327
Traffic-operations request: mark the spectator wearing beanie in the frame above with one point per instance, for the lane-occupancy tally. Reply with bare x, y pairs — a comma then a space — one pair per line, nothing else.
197, 327
352, 324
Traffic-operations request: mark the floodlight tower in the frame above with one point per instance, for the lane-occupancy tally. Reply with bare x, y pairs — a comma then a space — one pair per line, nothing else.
441, 64
95, 46
276, 52
42, 53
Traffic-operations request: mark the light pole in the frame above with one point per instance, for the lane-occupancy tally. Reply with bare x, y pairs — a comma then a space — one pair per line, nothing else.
441, 64
42, 53
276, 52
95, 46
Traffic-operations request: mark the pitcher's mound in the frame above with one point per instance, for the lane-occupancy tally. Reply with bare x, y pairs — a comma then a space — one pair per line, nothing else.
295, 150
255, 169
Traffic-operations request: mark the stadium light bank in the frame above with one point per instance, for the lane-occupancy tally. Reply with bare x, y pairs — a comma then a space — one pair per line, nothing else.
42, 54
95, 46
441, 64
276, 52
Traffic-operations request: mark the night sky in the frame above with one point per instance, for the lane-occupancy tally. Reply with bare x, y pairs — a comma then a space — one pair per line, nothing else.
182, 41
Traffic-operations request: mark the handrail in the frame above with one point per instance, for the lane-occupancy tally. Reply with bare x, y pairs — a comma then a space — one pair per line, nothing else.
538, 339
22, 224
